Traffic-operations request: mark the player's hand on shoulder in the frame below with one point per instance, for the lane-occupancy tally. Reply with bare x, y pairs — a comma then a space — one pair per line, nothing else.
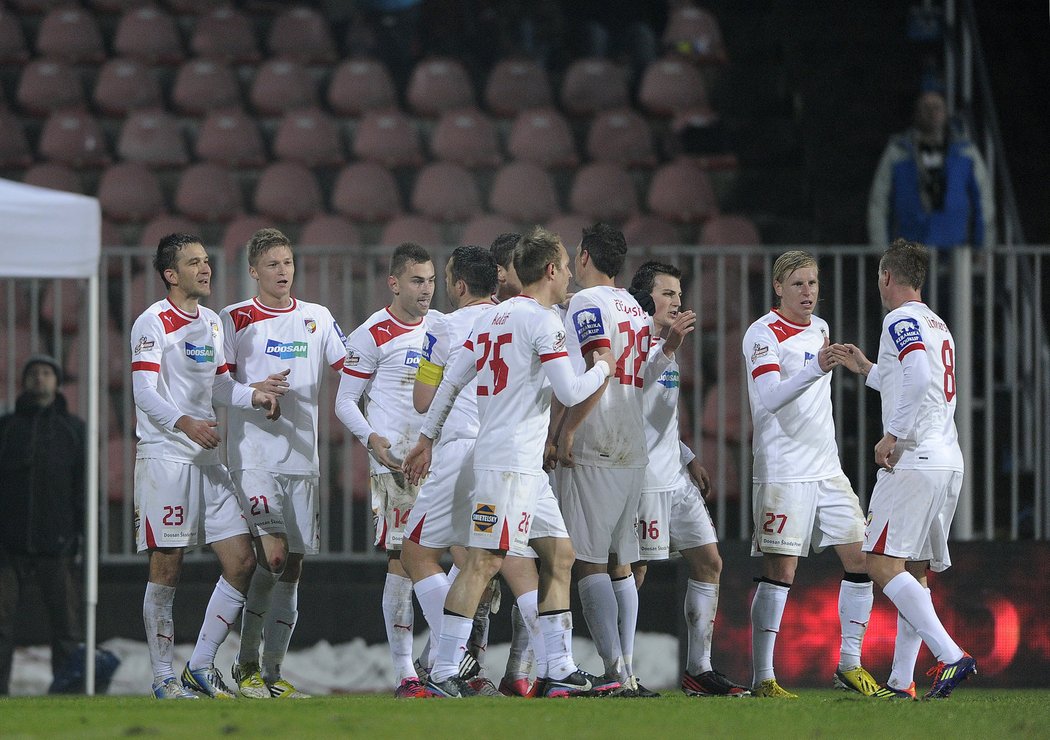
417, 462
277, 384
268, 402
683, 324
200, 431
379, 448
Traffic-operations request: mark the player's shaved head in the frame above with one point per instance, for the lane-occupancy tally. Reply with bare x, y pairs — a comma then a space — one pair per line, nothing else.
907, 261
788, 262
406, 254
167, 255
537, 249
263, 241
607, 247
503, 247
476, 267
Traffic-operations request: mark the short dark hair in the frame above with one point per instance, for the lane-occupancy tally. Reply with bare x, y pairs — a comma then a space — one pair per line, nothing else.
536, 249
408, 252
477, 268
645, 277
168, 248
503, 247
607, 247
264, 240
907, 261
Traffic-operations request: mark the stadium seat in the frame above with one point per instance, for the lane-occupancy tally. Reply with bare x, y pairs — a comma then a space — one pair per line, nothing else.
593, 84
366, 192
75, 138
13, 48
360, 85
150, 35
14, 148
481, 230
71, 297
308, 136
231, 137
194, 7
282, 85
446, 192
46, 85
207, 193
287, 191
729, 231
54, 176
227, 35
603, 191
438, 84
671, 85
301, 33
70, 33
410, 228
694, 32
125, 85
389, 138
161, 226
237, 233
111, 237
621, 136
643, 230
466, 137
153, 138
515, 85
202, 85
327, 230
569, 227
681, 192
130, 192
701, 135
523, 192
542, 136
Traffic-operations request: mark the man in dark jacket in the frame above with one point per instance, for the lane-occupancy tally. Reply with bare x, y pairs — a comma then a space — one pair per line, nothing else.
42, 464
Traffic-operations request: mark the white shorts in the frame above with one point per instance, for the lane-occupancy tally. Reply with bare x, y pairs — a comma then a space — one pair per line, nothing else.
392, 499
508, 509
441, 516
911, 513
673, 520
794, 518
600, 506
176, 503
274, 503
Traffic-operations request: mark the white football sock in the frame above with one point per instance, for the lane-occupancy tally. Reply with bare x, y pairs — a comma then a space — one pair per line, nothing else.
914, 603
160, 629
398, 616
280, 624
526, 639
626, 592
601, 611
557, 640
431, 593
767, 609
256, 604
451, 644
701, 605
905, 652
224, 607
855, 600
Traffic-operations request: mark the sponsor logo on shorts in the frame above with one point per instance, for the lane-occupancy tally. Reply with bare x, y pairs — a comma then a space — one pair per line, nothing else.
484, 518
286, 350
200, 354
412, 357
588, 323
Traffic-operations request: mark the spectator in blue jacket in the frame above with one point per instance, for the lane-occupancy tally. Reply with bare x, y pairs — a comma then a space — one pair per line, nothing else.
931, 185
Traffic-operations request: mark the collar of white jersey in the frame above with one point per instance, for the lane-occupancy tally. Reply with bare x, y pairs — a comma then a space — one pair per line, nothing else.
399, 322
190, 316
786, 320
268, 309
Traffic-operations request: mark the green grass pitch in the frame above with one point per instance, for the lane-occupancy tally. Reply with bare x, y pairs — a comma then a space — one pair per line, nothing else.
970, 712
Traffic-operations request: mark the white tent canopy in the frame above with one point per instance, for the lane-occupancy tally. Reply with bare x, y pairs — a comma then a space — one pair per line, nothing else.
51, 234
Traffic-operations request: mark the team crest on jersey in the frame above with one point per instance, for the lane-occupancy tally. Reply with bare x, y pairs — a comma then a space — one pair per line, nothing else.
758, 351
143, 345
200, 354
904, 333
429, 340
412, 357
352, 358
588, 323
669, 379
286, 350
215, 328
484, 518
559, 341
311, 325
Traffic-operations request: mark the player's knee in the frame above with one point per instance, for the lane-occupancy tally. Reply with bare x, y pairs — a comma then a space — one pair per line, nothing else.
276, 562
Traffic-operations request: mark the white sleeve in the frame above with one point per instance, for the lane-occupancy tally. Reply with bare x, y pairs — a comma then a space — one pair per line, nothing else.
460, 371
774, 393
916, 379
229, 392
569, 387
873, 379
144, 388
146, 358
351, 387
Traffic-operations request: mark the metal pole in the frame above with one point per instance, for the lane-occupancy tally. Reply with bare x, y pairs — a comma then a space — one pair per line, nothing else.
962, 331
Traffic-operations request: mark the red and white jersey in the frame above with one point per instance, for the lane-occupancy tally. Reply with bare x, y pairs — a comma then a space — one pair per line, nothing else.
385, 352
612, 433
797, 443
261, 341
933, 441
182, 354
662, 434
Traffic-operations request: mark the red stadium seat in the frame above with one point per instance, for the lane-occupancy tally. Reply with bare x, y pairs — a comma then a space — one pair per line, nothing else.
593, 84
603, 191
695, 33
466, 137
74, 137
237, 233
482, 230
13, 48
125, 85
515, 85
302, 34
308, 136
207, 193
411, 228
202, 85
542, 136
288, 191
148, 34
282, 85
621, 136
389, 138
14, 148
360, 85
225, 34
54, 176
231, 137
438, 84
650, 231
446, 192
671, 85
680, 191
111, 237
366, 192
130, 192
46, 85
153, 138
523, 192
570, 228
161, 226
326, 230
71, 34
71, 297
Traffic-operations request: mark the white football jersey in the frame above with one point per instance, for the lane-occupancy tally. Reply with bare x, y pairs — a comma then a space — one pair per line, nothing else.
662, 434
186, 352
798, 442
386, 352
612, 433
933, 443
259, 342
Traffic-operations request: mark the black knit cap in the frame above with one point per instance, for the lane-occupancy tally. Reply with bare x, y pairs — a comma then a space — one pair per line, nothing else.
42, 359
